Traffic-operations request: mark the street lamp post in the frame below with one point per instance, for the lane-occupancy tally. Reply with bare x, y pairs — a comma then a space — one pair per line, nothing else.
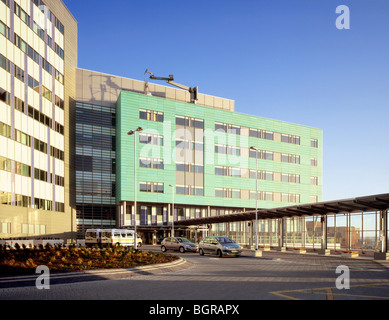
172, 186
256, 196
133, 133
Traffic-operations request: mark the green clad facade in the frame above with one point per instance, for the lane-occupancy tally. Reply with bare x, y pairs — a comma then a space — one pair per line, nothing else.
204, 156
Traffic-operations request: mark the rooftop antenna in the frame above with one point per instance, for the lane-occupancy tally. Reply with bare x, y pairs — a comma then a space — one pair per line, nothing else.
194, 92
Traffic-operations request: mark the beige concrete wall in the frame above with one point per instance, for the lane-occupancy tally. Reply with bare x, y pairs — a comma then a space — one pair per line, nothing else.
104, 89
58, 225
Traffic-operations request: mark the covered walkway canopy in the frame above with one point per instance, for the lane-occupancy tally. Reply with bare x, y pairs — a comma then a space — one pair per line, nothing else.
378, 202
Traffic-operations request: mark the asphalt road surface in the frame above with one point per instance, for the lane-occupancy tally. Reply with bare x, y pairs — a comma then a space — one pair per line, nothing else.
274, 276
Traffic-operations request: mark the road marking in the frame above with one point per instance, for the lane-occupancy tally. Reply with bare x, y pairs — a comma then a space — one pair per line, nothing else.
330, 293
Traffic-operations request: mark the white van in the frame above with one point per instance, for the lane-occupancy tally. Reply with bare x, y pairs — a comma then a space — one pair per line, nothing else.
92, 237
119, 237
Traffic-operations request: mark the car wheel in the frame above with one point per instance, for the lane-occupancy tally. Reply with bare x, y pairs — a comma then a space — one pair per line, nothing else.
139, 244
182, 249
201, 252
163, 249
219, 253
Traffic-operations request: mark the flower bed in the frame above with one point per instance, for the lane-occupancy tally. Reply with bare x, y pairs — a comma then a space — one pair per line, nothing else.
25, 261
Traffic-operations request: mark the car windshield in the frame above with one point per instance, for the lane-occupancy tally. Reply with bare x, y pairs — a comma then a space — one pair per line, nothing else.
224, 240
182, 240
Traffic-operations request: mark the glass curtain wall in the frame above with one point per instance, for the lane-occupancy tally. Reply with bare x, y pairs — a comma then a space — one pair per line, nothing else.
95, 167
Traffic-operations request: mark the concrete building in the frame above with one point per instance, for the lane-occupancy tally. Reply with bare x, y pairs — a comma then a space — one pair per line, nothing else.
38, 55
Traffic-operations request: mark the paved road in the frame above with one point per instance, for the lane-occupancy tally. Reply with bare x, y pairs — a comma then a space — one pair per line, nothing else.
274, 276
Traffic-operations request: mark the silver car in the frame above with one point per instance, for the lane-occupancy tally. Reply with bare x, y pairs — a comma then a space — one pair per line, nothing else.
178, 244
221, 246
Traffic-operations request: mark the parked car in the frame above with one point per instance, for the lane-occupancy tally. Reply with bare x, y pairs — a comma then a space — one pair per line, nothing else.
177, 243
159, 241
221, 246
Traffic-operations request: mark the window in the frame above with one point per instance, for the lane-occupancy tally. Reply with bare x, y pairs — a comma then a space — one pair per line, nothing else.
59, 51
290, 178
290, 139
22, 45
221, 171
33, 84
255, 133
19, 73
154, 187
151, 115
234, 151
236, 194
46, 93
47, 66
59, 102
268, 135
223, 127
220, 149
5, 96
4, 63
19, 104
314, 143
289, 158
313, 162
235, 172
59, 77
4, 30
228, 193
5, 130
314, 181
189, 122
151, 139
151, 163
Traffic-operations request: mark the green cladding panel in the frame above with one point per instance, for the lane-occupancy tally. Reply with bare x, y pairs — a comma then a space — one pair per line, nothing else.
308, 168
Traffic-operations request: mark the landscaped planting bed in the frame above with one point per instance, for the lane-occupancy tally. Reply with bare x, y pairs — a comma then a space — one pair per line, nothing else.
25, 261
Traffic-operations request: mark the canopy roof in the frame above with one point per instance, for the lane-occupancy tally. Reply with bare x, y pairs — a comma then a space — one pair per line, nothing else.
360, 204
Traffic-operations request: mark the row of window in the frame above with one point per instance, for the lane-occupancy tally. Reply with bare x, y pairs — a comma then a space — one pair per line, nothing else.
189, 167
261, 175
224, 171
260, 195
189, 145
20, 168
256, 133
151, 163
31, 82
22, 45
26, 202
41, 6
154, 187
222, 127
31, 112
25, 139
190, 191
153, 139
36, 28
25, 170
260, 154
189, 122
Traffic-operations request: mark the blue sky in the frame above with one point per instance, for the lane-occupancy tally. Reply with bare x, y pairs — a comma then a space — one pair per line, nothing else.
280, 59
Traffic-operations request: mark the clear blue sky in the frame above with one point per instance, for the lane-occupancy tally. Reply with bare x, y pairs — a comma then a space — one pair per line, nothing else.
280, 59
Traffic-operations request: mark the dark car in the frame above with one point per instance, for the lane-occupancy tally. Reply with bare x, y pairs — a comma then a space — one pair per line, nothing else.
221, 246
